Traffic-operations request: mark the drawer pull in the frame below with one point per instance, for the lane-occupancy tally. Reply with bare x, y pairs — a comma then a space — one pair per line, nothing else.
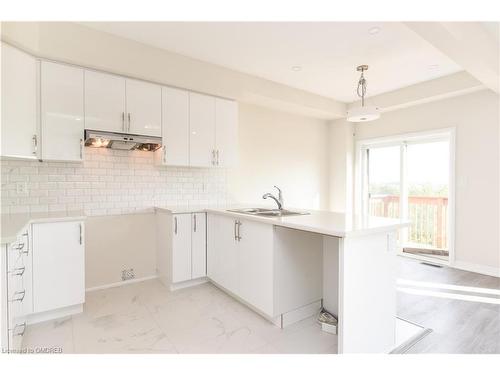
20, 298
18, 326
18, 271
18, 247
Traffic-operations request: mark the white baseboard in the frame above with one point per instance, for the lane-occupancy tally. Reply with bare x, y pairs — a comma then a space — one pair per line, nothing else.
120, 283
187, 284
300, 313
54, 314
478, 268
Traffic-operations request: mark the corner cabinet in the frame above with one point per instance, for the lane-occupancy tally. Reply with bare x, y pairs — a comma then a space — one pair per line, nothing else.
61, 112
181, 246
19, 126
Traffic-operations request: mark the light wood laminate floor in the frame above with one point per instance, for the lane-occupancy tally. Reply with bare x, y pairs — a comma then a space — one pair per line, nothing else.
459, 325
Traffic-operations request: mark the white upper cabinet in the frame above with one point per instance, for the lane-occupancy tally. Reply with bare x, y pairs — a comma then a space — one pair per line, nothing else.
201, 130
226, 132
62, 113
19, 130
104, 102
143, 115
175, 127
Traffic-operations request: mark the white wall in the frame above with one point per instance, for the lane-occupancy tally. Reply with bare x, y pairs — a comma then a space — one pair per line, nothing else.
277, 148
118, 242
341, 152
476, 119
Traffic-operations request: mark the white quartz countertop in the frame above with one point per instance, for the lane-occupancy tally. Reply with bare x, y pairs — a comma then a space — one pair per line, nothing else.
13, 224
329, 223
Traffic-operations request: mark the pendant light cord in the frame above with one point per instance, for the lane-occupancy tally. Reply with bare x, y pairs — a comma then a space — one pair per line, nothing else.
361, 90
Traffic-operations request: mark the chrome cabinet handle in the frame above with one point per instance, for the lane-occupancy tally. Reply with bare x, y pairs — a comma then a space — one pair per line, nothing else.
20, 248
81, 149
18, 299
16, 327
164, 154
175, 224
217, 153
26, 252
239, 228
123, 121
235, 225
35, 144
128, 128
80, 240
18, 271
213, 157
194, 219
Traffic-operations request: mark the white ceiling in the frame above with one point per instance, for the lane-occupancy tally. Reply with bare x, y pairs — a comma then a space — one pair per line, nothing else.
328, 52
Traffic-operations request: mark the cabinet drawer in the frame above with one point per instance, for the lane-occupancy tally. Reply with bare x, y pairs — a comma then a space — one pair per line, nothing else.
15, 255
16, 331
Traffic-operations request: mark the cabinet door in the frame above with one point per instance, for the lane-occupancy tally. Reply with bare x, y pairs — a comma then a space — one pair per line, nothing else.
143, 108
104, 102
226, 132
201, 130
58, 265
61, 112
175, 127
181, 248
199, 245
255, 265
19, 104
222, 257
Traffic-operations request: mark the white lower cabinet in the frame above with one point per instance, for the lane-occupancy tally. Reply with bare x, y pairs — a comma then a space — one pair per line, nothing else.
255, 264
222, 258
58, 265
181, 247
41, 274
240, 259
265, 266
199, 245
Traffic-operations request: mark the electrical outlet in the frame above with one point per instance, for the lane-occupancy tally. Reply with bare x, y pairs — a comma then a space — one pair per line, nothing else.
21, 189
128, 274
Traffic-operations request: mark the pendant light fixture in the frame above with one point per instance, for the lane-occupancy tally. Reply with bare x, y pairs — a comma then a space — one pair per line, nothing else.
363, 113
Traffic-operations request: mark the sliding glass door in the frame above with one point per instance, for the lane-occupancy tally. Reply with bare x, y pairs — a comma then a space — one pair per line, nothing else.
409, 178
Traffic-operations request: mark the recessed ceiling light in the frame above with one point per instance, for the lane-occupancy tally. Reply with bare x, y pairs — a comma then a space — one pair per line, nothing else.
296, 68
374, 30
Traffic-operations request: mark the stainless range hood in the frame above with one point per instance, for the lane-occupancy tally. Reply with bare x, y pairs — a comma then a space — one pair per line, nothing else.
120, 141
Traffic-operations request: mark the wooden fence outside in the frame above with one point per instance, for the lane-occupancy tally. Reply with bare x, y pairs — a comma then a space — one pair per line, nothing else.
428, 217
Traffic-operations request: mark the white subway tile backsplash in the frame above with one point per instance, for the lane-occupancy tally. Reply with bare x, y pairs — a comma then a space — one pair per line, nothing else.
107, 182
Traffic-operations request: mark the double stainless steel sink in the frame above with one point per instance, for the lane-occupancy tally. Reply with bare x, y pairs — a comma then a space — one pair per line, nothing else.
269, 212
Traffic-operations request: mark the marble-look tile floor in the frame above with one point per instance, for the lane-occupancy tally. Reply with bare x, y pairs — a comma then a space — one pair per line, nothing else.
147, 318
